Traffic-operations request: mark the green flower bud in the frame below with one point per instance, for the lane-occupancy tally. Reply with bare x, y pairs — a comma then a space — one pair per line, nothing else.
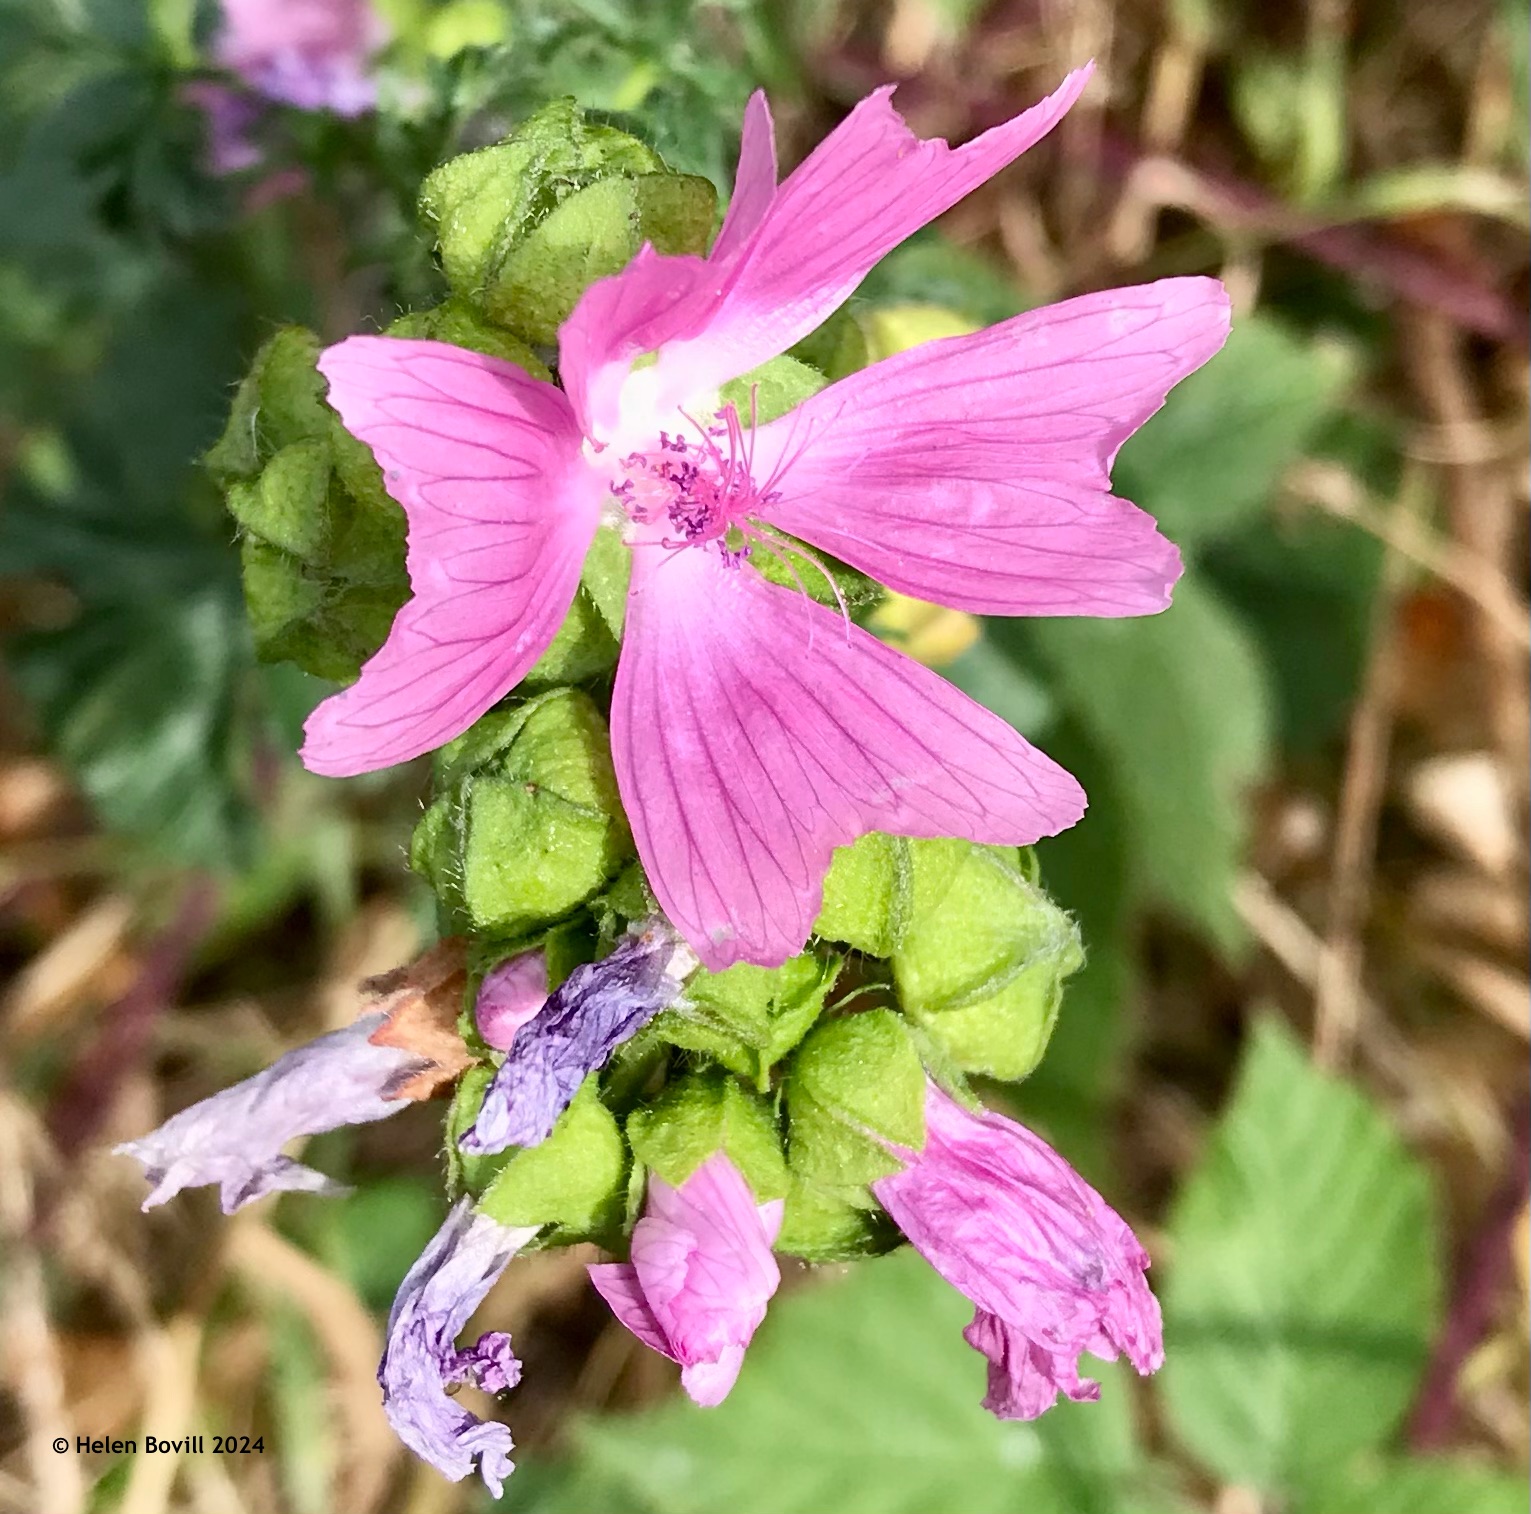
526, 226
576, 1180
702, 1113
981, 960
748, 1018
467, 1172
836, 348
866, 894
526, 824
856, 1084
458, 322
823, 1227
322, 545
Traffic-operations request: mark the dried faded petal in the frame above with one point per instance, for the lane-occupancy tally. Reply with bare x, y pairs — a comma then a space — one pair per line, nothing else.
235, 1138
421, 1360
597, 1007
420, 1004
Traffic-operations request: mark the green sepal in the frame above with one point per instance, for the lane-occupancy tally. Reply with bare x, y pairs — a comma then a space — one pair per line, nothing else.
749, 1018
702, 1113
981, 960
771, 390
575, 1181
458, 322
837, 348
823, 1227
856, 1087
587, 643
526, 824
867, 894
783, 560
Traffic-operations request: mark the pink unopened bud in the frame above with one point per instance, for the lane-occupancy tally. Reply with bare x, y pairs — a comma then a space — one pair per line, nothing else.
509, 996
1053, 1269
700, 1277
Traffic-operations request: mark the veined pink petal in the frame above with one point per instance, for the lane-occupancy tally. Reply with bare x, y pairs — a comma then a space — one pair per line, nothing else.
710, 1382
975, 470
754, 183
486, 463
786, 732
866, 187
617, 1283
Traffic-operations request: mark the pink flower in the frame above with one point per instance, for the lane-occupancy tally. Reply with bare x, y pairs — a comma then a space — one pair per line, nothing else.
1053, 1269
754, 731
701, 1275
314, 54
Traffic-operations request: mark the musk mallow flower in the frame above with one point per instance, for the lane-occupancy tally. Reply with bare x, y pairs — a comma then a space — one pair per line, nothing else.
421, 1360
314, 54
1052, 1269
700, 1277
235, 1138
753, 731
597, 1007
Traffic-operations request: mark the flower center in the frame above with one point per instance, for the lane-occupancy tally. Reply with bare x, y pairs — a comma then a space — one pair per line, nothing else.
691, 489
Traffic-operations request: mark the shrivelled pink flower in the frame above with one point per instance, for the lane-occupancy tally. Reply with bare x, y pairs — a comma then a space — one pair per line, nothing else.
753, 731
1053, 1269
700, 1277
314, 54
235, 1138
421, 1360
511, 994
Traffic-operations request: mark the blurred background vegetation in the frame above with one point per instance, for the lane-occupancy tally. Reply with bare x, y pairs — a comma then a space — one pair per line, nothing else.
1297, 1056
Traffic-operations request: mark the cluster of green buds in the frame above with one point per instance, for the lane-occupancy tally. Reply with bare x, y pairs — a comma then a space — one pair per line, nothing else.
928, 954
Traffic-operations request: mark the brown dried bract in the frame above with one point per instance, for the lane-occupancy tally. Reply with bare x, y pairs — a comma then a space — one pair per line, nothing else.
422, 1000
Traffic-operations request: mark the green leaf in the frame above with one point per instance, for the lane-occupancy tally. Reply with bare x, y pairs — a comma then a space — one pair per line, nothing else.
860, 1396
1178, 709
1210, 460
1305, 1281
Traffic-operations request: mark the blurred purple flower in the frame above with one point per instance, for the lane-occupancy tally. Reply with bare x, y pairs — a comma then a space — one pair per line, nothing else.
700, 1277
510, 995
1053, 1269
597, 1007
235, 1138
421, 1360
314, 54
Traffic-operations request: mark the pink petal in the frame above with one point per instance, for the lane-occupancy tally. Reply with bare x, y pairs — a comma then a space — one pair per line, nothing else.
867, 186
618, 1284
786, 732
975, 470
754, 183
486, 462
709, 1383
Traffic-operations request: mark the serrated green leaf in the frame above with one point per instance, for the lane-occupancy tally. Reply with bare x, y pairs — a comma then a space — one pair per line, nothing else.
860, 1396
1305, 1280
